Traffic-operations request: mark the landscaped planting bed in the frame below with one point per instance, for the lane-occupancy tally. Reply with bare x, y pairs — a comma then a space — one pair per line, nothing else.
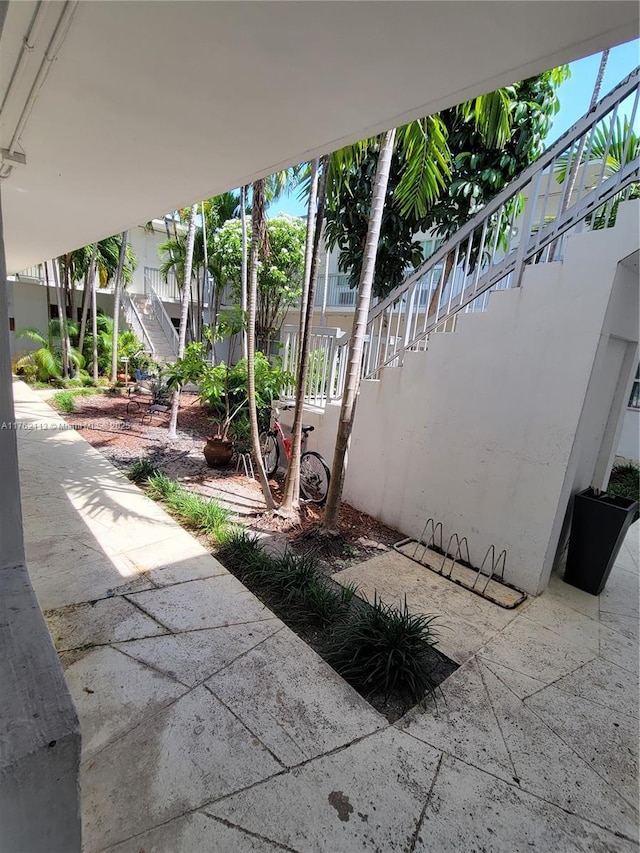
386, 653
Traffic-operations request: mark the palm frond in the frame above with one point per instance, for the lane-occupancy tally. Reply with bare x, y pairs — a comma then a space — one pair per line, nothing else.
491, 114
33, 335
623, 148
423, 148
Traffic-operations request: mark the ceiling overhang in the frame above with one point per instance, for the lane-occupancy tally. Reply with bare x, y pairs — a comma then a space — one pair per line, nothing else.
142, 107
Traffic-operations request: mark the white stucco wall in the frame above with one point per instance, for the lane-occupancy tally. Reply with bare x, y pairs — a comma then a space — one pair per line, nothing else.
28, 307
498, 424
629, 443
145, 245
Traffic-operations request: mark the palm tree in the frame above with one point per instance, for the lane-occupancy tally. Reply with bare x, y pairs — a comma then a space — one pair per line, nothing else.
573, 173
356, 345
426, 157
186, 299
116, 306
243, 269
258, 241
291, 496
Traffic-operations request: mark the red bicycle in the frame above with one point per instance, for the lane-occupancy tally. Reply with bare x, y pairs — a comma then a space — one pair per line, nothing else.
314, 471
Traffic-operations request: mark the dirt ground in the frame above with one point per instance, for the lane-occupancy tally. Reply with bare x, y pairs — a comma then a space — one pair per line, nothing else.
123, 438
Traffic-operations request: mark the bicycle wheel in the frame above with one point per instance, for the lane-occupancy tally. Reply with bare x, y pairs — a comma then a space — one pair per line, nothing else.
270, 453
314, 477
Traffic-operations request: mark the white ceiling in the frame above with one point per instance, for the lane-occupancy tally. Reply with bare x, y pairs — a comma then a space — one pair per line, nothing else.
153, 105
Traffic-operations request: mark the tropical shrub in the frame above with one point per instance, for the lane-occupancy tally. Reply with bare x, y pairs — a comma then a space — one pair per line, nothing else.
45, 363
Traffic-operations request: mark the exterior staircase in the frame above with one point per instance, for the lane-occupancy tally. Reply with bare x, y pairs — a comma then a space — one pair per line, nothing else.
163, 349
527, 224
147, 318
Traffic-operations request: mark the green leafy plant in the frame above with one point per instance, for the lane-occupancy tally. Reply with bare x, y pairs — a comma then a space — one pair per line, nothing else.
324, 605
382, 649
160, 487
279, 277
63, 401
223, 389
45, 363
244, 555
624, 482
194, 511
141, 470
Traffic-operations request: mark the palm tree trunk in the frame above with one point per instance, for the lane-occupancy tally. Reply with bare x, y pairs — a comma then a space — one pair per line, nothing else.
578, 158
48, 305
291, 496
116, 307
257, 235
356, 345
243, 272
62, 318
308, 253
86, 297
94, 322
186, 298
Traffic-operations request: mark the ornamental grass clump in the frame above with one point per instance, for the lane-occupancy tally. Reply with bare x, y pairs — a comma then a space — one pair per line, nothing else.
63, 401
242, 553
159, 487
141, 470
196, 513
382, 649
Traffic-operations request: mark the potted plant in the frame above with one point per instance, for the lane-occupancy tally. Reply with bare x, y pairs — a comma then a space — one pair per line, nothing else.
599, 524
216, 394
223, 389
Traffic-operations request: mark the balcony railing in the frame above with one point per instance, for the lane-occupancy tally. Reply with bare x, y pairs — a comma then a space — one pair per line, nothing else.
338, 293
164, 289
327, 361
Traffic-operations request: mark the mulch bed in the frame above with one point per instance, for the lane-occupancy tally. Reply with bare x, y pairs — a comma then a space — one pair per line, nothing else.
123, 438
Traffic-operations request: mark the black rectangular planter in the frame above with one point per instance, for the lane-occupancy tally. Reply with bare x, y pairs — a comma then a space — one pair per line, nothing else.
598, 528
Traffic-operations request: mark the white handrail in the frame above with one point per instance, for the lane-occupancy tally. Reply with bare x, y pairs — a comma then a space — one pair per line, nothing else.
491, 250
135, 321
162, 317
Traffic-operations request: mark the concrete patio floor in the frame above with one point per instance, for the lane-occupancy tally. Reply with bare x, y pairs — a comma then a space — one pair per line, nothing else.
209, 726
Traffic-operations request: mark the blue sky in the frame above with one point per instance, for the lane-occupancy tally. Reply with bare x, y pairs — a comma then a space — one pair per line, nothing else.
574, 95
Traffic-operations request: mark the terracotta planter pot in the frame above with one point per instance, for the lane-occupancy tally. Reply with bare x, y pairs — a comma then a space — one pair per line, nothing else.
218, 452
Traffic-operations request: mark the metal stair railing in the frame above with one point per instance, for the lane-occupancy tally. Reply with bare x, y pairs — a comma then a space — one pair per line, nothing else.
527, 223
159, 312
134, 320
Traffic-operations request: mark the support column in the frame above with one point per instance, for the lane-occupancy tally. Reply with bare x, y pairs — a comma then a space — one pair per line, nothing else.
39, 729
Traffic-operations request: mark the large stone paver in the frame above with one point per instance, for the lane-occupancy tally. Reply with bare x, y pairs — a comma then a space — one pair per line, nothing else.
369, 796
209, 727
187, 754
300, 710
472, 811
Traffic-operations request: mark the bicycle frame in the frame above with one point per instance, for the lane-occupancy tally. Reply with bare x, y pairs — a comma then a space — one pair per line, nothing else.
284, 442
